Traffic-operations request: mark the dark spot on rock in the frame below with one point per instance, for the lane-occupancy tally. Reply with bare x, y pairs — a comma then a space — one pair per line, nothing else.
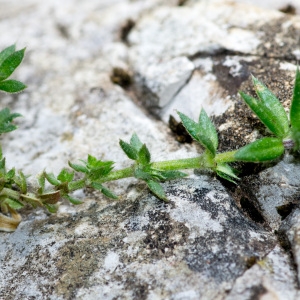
63, 30
163, 235
200, 197
121, 77
179, 131
181, 2
288, 9
139, 289
257, 291
251, 261
125, 30
251, 210
229, 82
286, 209
244, 196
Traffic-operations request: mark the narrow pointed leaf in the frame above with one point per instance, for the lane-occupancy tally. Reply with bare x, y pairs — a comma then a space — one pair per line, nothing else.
73, 200
129, 150
52, 208
264, 114
226, 172
41, 181
10, 174
144, 156
135, 142
11, 62
208, 134
295, 106
5, 120
157, 190
51, 178
105, 191
261, 150
65, 176
23, 182
191, 126
12, 86
274, 106
78, 168
15, 204
7, 52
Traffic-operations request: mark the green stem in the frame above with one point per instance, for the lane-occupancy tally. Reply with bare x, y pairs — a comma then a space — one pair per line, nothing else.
201, 162
115, 175
179, 164
225, 157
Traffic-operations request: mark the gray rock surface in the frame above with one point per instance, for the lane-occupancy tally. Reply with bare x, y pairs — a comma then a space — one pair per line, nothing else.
97, 71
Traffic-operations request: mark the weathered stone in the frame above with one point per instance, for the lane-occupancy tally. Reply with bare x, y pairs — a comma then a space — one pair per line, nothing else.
270, 278
205, 244
289, 234
140, 248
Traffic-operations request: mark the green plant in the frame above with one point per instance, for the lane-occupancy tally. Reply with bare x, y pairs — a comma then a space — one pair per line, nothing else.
15, 192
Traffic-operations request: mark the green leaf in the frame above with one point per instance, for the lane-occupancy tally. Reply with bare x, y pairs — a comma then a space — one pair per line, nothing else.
51, 179
265, 149
52, 208
32, 200
144, 156
135, 142
207, 135
78, 168
73, 200
7, 52
41, 181
295, 106
157, 190
268, 109
5, 120
191, 126
15, 204
105, 191
129, 150
273, 105
10, 174
12, 86
10, 63
65, 176
226, 172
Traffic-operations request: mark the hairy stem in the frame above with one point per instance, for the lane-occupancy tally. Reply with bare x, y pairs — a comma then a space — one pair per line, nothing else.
225, 157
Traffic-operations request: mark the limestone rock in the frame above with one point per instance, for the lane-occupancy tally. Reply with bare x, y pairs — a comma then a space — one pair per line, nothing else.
213, 240
141, 248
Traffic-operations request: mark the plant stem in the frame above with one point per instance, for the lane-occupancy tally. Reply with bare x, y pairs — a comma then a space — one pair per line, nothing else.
200, 162
115, 175
225, 157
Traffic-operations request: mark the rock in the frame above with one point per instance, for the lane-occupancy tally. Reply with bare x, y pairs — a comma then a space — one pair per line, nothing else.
164, 81
93, 71
267, 279
289, 234
139, 248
